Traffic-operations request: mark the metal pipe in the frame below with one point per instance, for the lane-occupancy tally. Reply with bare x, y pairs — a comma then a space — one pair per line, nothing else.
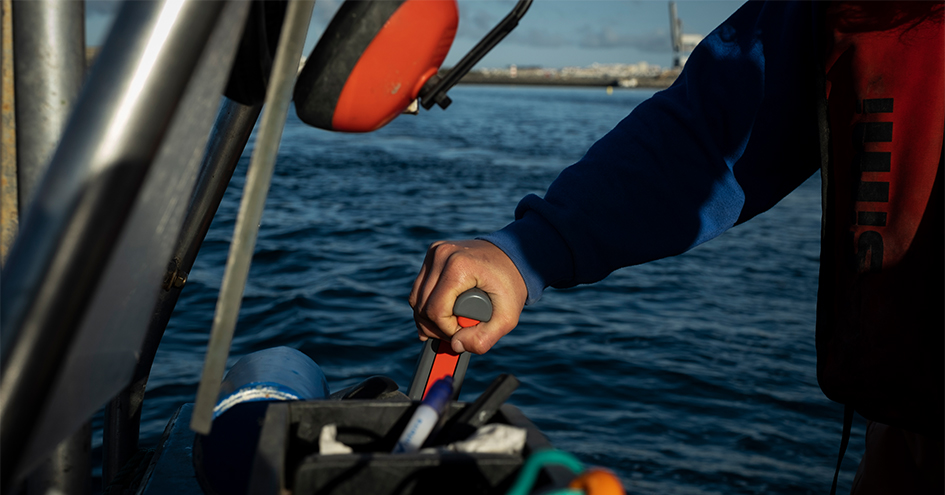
229, 136
278, 98
105, 352
82, 203
227, 141
49, 66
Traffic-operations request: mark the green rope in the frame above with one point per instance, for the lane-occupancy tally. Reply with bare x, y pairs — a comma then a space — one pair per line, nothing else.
529, 473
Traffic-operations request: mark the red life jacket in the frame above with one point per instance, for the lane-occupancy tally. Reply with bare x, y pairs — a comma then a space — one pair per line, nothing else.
881, 303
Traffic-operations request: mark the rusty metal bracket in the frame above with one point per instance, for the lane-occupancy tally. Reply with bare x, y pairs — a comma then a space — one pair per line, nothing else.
174, 276
9, 210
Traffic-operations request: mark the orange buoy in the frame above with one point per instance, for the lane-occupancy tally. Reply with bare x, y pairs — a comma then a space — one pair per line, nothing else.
372, 61
597, 481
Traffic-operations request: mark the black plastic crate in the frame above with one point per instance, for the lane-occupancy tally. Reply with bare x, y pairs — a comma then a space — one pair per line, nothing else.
288, 461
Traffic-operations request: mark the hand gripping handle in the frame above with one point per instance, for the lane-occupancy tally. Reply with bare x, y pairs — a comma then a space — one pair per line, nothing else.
472, 307
438, 359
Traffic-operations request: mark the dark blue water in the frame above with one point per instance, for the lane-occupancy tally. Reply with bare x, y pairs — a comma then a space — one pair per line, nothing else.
694, 374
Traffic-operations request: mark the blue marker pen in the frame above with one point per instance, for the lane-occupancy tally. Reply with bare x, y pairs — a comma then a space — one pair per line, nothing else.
425, 417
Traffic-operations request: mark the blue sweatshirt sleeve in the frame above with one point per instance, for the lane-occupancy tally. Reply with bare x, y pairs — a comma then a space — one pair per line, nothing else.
730, 138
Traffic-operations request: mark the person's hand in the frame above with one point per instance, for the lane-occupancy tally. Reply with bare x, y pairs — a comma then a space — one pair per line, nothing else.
449, 269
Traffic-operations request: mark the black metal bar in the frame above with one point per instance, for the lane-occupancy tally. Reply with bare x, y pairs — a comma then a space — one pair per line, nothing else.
229, 136
436, 93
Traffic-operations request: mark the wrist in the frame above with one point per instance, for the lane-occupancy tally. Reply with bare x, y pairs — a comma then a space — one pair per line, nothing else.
537, 251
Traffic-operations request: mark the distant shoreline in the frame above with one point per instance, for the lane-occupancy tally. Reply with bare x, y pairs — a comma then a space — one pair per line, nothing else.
650, 82
662, 81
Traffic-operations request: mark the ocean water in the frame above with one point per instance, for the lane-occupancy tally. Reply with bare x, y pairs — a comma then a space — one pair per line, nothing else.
690, 375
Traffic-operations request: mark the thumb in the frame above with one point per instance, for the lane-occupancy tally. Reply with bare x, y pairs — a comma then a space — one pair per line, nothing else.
475, 339
481, 337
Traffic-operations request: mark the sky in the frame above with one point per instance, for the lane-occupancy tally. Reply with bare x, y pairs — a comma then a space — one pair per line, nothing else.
554, 33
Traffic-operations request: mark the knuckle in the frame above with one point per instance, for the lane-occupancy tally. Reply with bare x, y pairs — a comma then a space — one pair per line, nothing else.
461, 263
437, 248
444, 248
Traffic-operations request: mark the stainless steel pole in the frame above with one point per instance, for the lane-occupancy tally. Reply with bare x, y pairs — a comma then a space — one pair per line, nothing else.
229, 136
107, 348
49, 66
49, 61
81, 205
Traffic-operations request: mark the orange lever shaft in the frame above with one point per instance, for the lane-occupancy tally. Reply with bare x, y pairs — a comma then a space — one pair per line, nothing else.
437, 358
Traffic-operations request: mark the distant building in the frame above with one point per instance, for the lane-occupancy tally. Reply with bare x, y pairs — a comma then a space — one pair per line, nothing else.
639, 75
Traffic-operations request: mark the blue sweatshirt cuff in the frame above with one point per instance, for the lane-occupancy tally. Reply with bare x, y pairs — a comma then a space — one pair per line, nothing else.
538, 251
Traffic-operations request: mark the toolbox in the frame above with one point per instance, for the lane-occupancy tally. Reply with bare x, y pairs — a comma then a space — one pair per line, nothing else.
288, 460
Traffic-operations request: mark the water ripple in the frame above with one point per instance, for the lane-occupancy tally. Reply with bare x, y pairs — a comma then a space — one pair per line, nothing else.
693, 374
